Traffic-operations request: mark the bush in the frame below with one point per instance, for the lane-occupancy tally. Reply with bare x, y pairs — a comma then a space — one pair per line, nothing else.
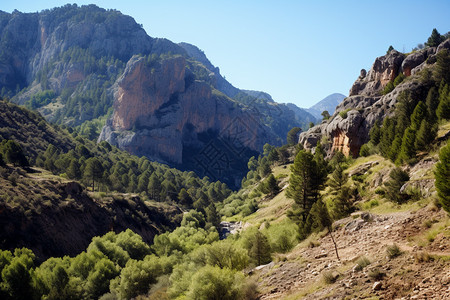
399, 79
365, 150
393, 186
388, 88
215, 283
343, 113
380, 191
329, 277
376, 274
420, 257
282, 236
393, 251
361, 263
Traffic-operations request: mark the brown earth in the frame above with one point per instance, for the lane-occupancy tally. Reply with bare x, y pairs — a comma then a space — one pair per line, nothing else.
422, 271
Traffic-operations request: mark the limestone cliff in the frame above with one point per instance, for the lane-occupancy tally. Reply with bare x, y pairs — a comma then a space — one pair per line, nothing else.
348, 129
162, 112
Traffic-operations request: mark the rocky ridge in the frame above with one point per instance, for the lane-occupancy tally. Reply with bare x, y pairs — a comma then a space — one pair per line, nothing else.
348, 129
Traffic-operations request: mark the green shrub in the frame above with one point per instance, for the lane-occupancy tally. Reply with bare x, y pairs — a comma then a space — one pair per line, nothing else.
442, 175
422, 257
376, 274
343, 113
393, 251
365, 150
388, 88
330, 277
399, 79
362, 262
398, 178
215, 283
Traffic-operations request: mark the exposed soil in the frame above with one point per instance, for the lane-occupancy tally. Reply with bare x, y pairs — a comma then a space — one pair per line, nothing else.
420, 272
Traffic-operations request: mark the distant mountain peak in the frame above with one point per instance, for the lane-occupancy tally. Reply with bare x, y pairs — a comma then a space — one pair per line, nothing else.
328, 103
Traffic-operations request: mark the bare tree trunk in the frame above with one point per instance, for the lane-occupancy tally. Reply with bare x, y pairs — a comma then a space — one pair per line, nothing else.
334, 242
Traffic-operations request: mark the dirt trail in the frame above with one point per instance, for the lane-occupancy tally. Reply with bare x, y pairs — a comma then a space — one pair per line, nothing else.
355, 236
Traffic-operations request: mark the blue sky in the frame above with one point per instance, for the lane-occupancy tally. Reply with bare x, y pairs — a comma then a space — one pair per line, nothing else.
298, 51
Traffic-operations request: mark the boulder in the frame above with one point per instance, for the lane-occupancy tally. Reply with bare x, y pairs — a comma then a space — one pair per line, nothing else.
377, 286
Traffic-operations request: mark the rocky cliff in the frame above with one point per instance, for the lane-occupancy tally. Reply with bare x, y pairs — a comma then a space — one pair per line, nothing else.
162, 112
348, 129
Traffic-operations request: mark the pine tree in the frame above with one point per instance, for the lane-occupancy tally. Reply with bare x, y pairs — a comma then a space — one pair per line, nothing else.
425, 136
132, 183
321, 173
407, 149
442, 175
432, 103
93, 170
265, 168
443, 109
273, 155
154, 187
419, 114
375, 134
342, 204
143, 181
260, 249
389, 49
398, 177
442, 66
272, 185
435, 39
252, 164
304, 185
387, 136
394, 150
320, 219
13, 153
73, 171
337, 179
184, 198
202, 202
292, 136
325, 114
403, 111
212, 216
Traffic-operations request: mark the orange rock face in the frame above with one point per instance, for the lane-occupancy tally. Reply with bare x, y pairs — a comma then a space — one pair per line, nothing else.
341, 142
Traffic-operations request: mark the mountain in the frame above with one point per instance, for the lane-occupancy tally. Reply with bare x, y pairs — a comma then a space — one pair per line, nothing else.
303, 114
376, 95
90, 67
328, 103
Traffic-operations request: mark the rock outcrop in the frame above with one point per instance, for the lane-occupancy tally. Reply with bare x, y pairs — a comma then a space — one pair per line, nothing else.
384, 69
162, 112
348, 129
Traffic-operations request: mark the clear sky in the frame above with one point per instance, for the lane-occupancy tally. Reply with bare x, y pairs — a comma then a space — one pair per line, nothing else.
298, 51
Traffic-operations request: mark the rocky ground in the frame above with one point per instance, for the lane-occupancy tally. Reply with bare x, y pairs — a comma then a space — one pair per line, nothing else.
421, 271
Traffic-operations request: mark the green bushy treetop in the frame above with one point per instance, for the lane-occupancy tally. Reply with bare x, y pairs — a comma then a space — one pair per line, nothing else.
442, 175
435, 39
398, 178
